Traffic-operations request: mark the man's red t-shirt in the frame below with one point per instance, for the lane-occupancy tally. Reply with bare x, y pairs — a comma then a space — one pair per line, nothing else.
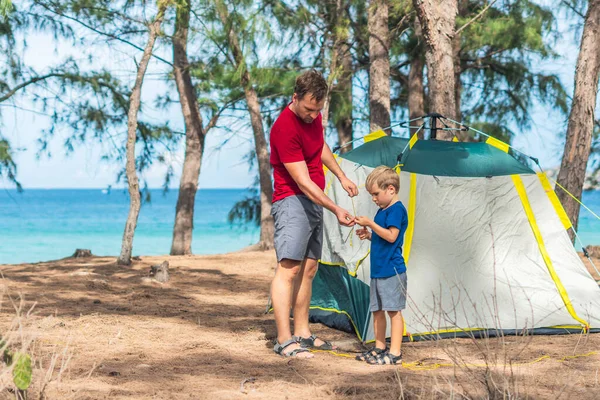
293, 140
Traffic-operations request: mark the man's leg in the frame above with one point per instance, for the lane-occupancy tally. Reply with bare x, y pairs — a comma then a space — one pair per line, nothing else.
282, 290
302, 296
301, 299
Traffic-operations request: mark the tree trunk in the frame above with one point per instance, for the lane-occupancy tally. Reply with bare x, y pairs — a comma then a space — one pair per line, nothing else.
463, 9
194, 138
344, 104
132, 118
438, 23
379, 66
416, 89
267, 227
416, 93
341, 98
456, 50
581, 119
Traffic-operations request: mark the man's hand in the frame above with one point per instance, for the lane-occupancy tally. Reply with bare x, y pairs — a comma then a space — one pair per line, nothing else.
344, 217
363, 233
349, 186
363, 221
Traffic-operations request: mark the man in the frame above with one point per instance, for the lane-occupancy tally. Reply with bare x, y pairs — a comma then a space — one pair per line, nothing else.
298, 152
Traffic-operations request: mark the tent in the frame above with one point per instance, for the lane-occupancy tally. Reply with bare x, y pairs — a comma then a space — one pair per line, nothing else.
487, 247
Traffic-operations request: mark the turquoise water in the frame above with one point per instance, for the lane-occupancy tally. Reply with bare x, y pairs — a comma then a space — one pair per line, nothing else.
589, 225
40, 225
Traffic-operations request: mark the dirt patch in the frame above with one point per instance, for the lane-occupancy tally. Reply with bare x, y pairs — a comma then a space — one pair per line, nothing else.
204, 335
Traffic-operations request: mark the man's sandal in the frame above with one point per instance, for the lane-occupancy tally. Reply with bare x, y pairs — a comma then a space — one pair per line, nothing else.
280, 348
374, 352
309, 343
385, 358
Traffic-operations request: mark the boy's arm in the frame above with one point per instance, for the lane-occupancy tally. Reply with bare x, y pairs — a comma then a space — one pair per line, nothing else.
329, 161
363, 233
388, 234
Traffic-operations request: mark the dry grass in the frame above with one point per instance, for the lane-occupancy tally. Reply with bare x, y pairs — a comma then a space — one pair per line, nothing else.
99, 332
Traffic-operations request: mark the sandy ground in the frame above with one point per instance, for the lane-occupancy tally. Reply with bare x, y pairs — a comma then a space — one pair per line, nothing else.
102, 331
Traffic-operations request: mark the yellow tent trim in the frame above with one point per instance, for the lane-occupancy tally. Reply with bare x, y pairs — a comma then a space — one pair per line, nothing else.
412, 208
565, 327
464, 330
413, 140
331, 264
353, 273
455, 330
538, 237
564, 218
374, 136
498, 144
339, 312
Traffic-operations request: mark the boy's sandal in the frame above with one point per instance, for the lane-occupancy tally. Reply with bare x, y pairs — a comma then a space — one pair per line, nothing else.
309, 343
365, 355
385, 359
280, 348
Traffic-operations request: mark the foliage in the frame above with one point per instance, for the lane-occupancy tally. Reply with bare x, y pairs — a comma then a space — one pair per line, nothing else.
98, 101
246, 210
21, 366
498, 55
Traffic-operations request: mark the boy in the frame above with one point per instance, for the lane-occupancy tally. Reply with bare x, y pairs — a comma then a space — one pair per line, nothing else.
388, 271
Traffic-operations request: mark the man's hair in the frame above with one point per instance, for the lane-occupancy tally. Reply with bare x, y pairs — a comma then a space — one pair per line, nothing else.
311, 82
383, 177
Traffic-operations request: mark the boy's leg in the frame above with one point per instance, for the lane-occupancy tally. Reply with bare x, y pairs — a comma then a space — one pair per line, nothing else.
397, 327
282, 290
379, 326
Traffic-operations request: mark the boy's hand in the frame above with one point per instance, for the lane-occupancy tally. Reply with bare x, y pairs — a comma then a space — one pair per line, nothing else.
363, 233
349, 187
363, 221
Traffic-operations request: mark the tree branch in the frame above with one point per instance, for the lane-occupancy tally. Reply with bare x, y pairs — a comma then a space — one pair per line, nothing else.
110, 35
474, 18
213, 121
20, 86
570, 6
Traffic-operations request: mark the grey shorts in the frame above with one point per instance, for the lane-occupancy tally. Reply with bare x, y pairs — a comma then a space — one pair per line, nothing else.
388, 294
298, 228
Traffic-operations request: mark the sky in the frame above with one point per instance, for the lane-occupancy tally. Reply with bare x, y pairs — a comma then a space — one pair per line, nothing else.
221, 168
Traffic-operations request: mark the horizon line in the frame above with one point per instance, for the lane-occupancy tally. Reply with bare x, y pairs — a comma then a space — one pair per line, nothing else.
118, 188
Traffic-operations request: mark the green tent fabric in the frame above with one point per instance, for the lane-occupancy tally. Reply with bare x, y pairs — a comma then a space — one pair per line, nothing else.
336, 291
382, 151
440, 158
460, 159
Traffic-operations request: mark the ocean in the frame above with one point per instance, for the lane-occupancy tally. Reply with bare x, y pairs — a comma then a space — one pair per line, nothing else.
41, 225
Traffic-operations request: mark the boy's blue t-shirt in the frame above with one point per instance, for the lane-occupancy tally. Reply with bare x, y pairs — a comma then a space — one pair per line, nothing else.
386, 257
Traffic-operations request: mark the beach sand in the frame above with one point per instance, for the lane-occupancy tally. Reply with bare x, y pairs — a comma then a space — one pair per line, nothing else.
204, 335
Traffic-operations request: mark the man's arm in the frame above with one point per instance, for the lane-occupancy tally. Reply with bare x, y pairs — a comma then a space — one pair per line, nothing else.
329, 161
299, 173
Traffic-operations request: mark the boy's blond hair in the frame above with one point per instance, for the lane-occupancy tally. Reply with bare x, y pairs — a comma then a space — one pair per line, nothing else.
383, 177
